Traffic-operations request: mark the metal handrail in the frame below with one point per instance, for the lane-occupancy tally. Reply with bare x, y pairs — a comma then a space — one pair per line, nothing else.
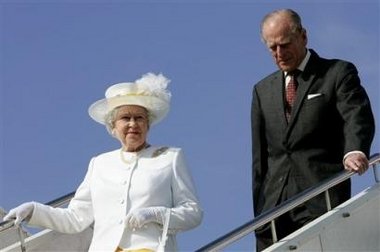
5, 225
248, 227
284, 207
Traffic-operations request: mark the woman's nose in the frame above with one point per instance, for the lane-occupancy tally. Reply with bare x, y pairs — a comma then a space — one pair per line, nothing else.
132, 121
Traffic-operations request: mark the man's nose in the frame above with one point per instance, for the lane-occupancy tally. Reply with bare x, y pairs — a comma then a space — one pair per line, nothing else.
279, 50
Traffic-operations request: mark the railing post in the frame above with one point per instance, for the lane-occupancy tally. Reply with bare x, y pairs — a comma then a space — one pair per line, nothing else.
22, 238
273, 229
376, 173
328, 202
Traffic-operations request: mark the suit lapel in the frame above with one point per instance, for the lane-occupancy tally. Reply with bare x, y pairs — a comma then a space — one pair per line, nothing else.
277, 97
305, 81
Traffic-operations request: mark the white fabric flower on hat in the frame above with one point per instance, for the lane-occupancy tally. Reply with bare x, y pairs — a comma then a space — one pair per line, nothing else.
153, 84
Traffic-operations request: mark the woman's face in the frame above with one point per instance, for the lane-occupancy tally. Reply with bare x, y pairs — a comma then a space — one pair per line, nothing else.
131, 127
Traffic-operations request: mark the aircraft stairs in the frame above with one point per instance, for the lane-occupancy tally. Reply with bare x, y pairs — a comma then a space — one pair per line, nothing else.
351, 226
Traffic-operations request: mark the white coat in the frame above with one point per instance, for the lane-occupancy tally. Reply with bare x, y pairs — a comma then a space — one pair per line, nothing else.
112, 188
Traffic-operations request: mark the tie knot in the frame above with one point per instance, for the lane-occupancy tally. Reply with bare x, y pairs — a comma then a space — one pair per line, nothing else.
294, 73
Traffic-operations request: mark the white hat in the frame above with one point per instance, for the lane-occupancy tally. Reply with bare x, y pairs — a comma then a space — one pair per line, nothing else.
149, 92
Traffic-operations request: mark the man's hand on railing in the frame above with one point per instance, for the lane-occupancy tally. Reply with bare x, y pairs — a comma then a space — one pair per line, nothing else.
356, 162
20, 213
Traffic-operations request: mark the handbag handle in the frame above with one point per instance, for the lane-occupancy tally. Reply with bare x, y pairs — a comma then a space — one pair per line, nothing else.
164, 236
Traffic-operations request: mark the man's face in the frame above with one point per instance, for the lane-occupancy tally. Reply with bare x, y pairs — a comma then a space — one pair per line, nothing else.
288, 49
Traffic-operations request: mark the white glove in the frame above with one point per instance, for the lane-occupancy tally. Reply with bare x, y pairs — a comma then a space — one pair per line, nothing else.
139, 217
20, 213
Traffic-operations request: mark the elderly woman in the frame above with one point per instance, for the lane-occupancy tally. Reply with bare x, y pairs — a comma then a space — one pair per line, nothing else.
136, 194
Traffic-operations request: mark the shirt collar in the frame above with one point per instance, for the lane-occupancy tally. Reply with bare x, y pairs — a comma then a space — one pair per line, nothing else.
302, 66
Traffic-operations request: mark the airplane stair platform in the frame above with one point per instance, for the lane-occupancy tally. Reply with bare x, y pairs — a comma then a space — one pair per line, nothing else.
351, 226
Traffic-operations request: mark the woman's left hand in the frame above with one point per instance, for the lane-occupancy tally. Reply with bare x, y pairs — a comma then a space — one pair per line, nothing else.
139, 217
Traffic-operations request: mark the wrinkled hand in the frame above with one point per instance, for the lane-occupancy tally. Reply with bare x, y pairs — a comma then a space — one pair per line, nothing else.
356, 162
139, 217
20, 213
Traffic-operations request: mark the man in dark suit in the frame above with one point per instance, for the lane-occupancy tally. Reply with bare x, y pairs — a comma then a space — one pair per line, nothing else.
300, 141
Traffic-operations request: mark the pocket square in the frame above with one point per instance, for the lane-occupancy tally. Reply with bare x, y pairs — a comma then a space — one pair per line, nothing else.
311, 96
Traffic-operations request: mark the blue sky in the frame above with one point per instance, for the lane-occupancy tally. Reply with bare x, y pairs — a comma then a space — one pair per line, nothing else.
57, 57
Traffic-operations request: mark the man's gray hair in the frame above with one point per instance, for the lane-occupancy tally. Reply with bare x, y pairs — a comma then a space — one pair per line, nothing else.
296, 22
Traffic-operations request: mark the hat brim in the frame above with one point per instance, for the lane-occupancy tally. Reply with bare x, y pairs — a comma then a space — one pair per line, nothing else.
156, 107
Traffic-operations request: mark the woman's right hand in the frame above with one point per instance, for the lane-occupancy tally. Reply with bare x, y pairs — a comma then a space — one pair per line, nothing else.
20, 213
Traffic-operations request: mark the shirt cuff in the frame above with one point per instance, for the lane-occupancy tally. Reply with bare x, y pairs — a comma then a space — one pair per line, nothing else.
352, 152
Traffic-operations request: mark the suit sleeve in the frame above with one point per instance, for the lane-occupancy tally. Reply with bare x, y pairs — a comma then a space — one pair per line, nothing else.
259, 151
73, 219
186, 212
354, 106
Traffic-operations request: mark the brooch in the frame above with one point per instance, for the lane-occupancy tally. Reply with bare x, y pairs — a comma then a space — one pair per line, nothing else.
159, 151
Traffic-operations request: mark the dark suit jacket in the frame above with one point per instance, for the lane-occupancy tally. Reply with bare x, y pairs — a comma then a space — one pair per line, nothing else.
331, 116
